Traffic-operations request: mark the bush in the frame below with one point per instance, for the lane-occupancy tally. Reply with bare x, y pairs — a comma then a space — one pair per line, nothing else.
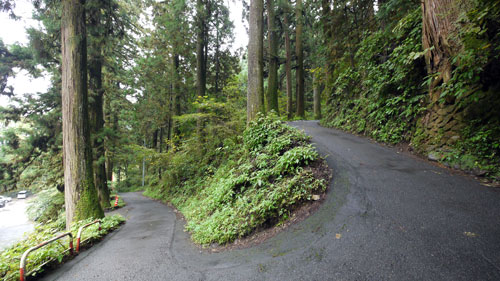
46, 206
253, 184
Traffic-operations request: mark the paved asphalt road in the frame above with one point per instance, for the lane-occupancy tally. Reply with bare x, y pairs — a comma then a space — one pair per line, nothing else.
387, 216
14, 222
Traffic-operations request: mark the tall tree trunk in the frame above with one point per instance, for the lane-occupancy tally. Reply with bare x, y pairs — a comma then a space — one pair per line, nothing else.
272, 84
96, 106
119, 174
383, 23
300, 61
160, 142
176, 103
177, 90
80, 194
200, 50
288, 66
154, 141
143, 167
255, 90
317, 97
109, 152
217, 51
438, 23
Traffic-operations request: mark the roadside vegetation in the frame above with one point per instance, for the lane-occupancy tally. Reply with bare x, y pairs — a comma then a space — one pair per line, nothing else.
46, 210
242, 184
166, 103
112, 201
10, 257
400, 81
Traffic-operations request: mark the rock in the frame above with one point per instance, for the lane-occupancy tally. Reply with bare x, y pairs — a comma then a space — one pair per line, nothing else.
453, 140
450, 125
445, 110
445, 121
316, 197
434, 156
456, 167
479, 172
445, 149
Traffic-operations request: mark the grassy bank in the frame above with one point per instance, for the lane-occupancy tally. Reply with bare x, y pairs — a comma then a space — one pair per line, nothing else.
251, 182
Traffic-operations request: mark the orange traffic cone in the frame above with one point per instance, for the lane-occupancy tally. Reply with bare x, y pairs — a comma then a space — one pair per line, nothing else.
116, 201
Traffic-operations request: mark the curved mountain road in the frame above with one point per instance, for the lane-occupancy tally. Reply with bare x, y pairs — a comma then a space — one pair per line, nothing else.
387, 216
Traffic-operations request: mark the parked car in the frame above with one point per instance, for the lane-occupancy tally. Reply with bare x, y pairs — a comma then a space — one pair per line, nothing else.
5, 198
22, 194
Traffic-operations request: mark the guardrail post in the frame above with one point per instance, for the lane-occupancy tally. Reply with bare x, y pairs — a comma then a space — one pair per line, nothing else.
22, 264
79, 235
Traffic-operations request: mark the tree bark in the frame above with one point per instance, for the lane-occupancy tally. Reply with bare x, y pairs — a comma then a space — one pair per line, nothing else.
160, 142
96, 112
177, 90
80, 194
288, 66
317, 97
217, 50
300, 61
272, 84
255, 91
109, 152
201, 83
438, 17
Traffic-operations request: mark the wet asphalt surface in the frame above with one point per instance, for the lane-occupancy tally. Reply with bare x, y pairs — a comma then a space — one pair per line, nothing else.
14, 222
387, 216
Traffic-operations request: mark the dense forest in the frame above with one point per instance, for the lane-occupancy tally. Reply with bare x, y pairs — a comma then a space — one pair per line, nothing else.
150, 95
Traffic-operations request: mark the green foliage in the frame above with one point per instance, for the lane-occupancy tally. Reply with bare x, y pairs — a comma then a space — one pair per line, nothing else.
479, 151
382, 90
295, 158
10, 257
247, 185
382, 96
479, 60
47, 206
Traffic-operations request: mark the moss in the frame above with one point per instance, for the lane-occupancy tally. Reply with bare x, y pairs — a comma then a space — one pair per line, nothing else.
88, 206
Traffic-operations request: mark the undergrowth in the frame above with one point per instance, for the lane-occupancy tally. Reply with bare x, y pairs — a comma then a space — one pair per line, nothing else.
382, 96
246, 183
383, 91
10, 257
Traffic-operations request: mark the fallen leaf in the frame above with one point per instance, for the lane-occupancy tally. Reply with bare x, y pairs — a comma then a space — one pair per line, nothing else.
338, 235
470, 234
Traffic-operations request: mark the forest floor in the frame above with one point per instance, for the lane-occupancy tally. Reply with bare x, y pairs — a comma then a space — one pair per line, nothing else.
386, 216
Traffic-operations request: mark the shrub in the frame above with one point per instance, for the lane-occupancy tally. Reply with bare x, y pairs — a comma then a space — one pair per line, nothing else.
254, 184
